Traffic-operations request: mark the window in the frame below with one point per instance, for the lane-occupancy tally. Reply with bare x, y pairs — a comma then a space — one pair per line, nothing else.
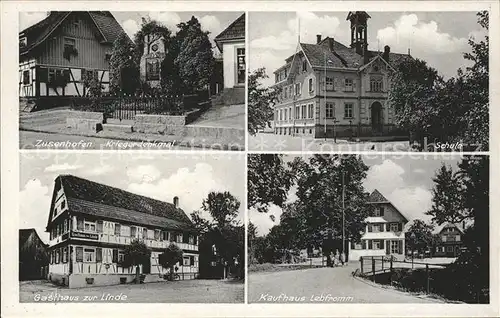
395, 247
285, 92
26, 77
152, 69
303, 110
297, 112
348, 110
286, 114
178, 238
376, 84
133, 231
65, 224
69, 43
376, 228
449, 248
348, 85
298, 89
23, 42
377, 245
330, 110
57, 256
310, 110
90, 226
304, 66
144, 233
311, 88
290, 91
63, 204
65, 255
88, 255
117, 229
394, 227
290, 113
157, 235
186, 261
191, 239
329, 84
240, 58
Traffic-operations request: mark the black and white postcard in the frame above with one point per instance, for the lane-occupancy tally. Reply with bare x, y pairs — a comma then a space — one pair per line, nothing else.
132, 80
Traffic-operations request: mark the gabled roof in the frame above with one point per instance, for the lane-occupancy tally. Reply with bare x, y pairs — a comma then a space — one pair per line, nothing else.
97, 199
235, 31
341, 56
377, 197
107, 25
459, 226
25, 234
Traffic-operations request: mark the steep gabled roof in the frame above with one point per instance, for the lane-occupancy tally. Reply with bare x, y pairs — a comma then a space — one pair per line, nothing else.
97, 199
235, 31
459, 226
107, 25
377, 197
25, 234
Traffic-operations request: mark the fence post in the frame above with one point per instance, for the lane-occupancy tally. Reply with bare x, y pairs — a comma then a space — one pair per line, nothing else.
428, 278
361, 261
373, 268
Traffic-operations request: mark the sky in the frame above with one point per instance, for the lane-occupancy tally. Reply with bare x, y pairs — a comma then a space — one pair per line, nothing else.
440, 38
214, 22
190, 177
406, 181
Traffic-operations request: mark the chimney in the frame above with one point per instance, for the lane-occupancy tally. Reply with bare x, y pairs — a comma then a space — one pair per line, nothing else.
176, 202
387, 50
318, 38
330, 44
409, 51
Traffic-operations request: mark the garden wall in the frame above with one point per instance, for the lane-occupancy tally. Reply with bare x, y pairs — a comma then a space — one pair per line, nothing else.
84, 121
159, 124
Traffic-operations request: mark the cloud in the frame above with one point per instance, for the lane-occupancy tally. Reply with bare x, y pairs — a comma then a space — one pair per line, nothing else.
34, 205
27, 19
387, 177
263, 221
143, 173
191, 186
100, 170
62, 167
419, 170
409, 31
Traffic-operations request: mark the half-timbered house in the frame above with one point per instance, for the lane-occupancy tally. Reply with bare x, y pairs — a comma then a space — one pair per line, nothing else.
56, 53
91, 223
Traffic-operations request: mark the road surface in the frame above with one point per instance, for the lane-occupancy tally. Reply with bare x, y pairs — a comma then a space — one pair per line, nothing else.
187, 291
272, 142
311, 284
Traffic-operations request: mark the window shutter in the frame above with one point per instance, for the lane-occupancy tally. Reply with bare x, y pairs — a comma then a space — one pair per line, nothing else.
115, 256
191, 260
400, 247
79, 254
79, 224
382, 244
364, 244
185, 238
387, 227
381, 211
99, 226
370, 244
133, 231
400, 227
370, 228
144, 233
117, 229
98, 255
195, 239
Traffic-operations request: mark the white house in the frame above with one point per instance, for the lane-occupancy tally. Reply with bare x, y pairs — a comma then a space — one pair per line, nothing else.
231, 43
384, 233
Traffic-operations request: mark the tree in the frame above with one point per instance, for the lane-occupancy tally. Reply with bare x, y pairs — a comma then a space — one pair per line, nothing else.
448, 197
261, 101
269, 181
136, 254
319, 191
156, 30
195, 60
419, 236
171, 256
222, 206
124, 71
477, 80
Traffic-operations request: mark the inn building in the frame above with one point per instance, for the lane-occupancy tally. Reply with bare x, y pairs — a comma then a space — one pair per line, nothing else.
330, 89
91, 223
384, 234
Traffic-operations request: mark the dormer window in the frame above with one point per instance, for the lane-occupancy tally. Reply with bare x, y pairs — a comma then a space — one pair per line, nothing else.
23, 41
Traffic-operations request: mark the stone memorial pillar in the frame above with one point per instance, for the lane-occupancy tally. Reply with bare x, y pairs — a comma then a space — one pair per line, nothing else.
152, 57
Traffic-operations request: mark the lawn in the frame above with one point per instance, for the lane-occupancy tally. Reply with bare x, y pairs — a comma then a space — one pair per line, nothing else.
187, 291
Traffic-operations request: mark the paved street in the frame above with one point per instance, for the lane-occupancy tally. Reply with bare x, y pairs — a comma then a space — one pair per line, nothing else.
336, 282
232, 116
187, 291
272, 142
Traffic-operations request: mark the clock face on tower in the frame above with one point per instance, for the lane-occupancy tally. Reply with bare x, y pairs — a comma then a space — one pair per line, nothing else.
154, 47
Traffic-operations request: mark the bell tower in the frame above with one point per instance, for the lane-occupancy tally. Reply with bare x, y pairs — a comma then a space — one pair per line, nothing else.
359, 30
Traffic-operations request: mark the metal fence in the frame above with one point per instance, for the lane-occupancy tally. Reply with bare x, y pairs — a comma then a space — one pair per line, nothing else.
372, 266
